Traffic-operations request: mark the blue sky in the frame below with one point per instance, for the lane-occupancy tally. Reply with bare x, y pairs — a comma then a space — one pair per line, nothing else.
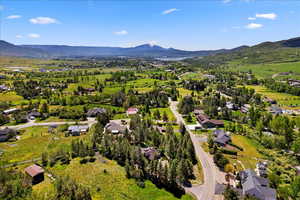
183, 24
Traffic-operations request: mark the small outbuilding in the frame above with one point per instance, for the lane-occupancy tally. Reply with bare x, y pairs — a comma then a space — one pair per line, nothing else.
132, 111
36, 173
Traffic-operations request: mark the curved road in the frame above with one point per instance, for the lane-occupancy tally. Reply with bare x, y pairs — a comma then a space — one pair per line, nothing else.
207, 190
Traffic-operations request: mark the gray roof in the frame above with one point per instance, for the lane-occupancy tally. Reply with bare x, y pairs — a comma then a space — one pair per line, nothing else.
95, 111
256, 186
115, 127
78, 128
6, 131
221, 137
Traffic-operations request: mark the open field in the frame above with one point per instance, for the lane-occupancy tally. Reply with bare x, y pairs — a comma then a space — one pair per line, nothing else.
268, 70
283, 99
10, 96
162, 110
33, 142
248, 157
112, 185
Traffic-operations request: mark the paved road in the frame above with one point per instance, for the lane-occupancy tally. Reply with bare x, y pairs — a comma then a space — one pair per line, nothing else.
90, 122
205, 191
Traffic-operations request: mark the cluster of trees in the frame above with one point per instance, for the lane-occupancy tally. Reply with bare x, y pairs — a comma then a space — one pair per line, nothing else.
197, 85
27, 89
67, 188
122, 76
281, 87
240, 95
77, 113
220, 160
186, 105
78, 149
215, 106
163, 76
154, 98
176, 151
14, 185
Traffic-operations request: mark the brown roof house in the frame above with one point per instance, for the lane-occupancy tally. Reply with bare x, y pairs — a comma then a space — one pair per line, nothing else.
208, 123
36, 173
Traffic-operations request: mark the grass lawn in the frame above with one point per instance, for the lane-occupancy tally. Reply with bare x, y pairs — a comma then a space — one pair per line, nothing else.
162, 110
184, 92
112, 185
249, 154
33, 142
54, 119
10, 96
283, 99
268, 70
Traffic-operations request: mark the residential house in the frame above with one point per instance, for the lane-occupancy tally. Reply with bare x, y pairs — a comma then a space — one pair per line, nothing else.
6, 134
10, 111
115, 128
150, 152
230, 105
256, 186
261, 169
197, 112
297, 168
276, 110
4, 88
95, 111
36, 173
161, 129
34, 114
77, 130
221, 137
269, 100
132, 111
245, 108
208, 123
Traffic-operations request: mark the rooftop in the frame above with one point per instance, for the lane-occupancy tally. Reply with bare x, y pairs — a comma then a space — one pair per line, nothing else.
34, 170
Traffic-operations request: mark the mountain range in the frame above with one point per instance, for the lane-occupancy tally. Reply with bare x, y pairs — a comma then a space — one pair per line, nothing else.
145, 50
56, 51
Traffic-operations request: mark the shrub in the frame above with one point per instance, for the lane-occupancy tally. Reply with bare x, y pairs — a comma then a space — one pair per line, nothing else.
227, 151
83, 161
141, 184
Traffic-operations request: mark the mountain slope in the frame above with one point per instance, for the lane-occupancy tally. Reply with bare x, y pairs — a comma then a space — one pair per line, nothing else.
145, 50
266, 52
8, 49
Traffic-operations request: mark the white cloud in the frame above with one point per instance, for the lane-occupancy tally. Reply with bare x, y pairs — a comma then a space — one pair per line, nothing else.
43, 20
13, 17
267, 16
33, 35
169, 11
254, 26
122, 32
251, 18
19, 36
